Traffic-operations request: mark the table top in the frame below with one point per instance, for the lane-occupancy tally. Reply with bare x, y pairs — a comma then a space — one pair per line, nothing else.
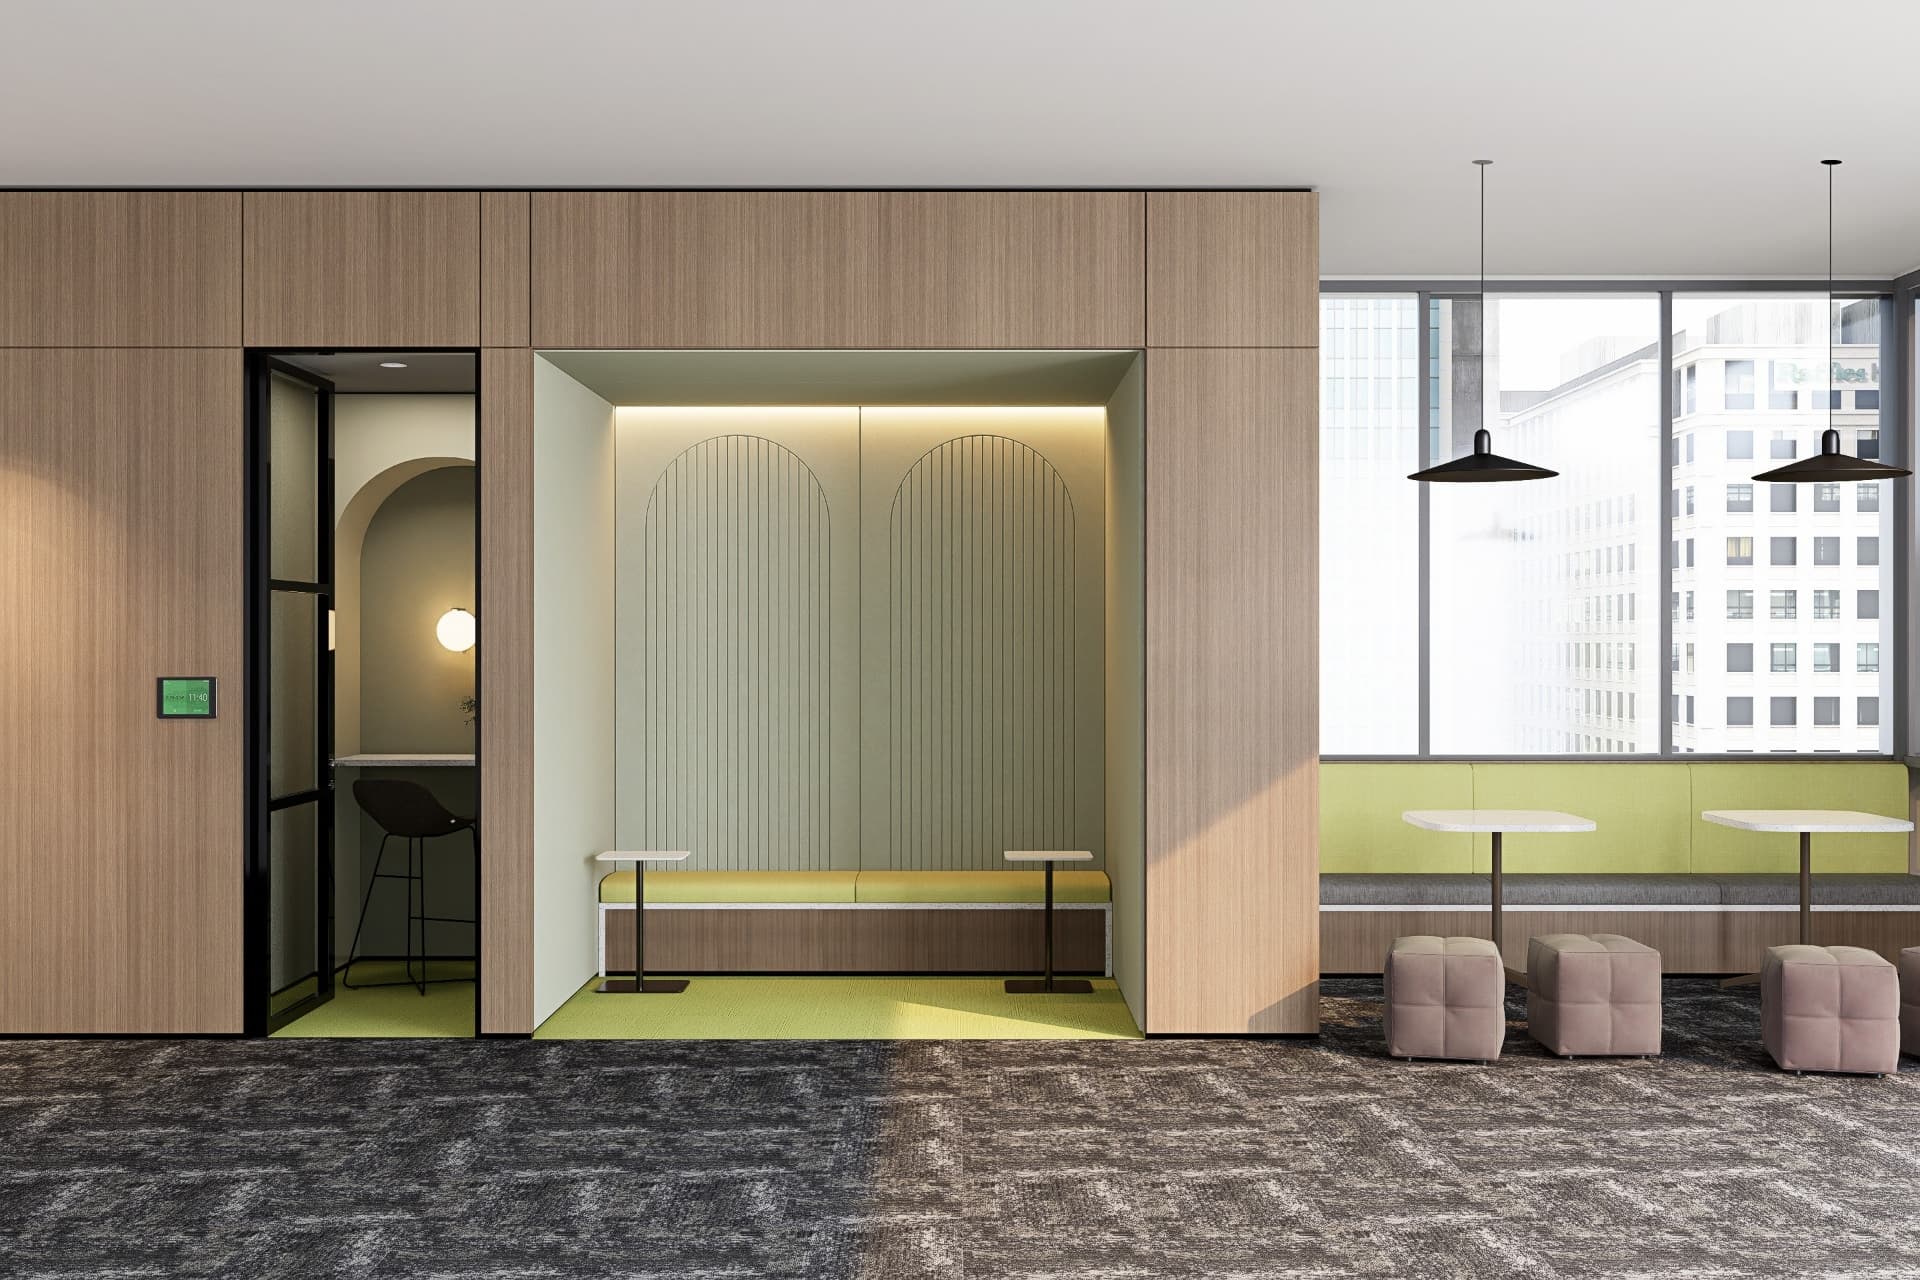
406, 760
1809, 820
643, 855
1496, 820
1048, 855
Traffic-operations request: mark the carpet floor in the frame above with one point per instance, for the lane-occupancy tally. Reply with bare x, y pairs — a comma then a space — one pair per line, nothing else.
842, 1008
446, 1010
980, 1158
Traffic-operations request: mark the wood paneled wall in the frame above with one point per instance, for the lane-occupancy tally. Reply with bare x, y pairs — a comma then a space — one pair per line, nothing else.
857, 269
506, 689
120, 561
362, 269
140, 452
119, 269
1232, 619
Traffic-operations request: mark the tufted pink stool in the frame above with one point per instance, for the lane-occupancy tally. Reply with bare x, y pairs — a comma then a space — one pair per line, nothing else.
1830, 1009
1446, 998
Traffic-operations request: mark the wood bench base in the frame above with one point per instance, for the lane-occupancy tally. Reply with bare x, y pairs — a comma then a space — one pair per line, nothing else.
1712, 940
857, 939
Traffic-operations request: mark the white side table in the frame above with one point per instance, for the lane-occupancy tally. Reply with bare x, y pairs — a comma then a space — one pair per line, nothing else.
1806, 822
1032, 986
1497, 822
640, 983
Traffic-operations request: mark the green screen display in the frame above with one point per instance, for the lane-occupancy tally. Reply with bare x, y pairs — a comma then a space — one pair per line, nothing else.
186, 697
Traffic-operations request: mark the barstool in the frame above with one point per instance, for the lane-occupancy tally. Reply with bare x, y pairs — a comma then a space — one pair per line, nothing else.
409, 811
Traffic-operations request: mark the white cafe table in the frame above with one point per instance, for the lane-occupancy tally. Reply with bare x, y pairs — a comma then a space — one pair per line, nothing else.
1806, 822
640, 983
1049, 984
1497, 822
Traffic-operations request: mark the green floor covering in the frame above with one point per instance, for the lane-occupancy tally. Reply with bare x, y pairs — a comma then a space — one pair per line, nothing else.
837, 1008
391, 1012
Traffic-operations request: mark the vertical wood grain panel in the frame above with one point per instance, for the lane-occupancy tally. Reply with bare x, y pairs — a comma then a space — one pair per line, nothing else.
506, 269
1233, 269
119, 269
1012, 268
1232, 691
506, 691
121, 835
706, 269
362, 268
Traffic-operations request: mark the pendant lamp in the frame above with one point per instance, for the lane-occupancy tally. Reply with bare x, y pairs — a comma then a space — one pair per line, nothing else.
1830, 465
1483, 465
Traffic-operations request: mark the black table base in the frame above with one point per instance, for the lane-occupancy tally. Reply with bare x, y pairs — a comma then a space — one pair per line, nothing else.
643, 986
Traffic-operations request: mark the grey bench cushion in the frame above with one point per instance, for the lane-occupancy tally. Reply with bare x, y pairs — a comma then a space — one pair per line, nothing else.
1888, 890
1569, 890
1400, 889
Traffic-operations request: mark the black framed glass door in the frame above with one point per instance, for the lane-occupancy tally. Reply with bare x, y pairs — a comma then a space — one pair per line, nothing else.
290, 890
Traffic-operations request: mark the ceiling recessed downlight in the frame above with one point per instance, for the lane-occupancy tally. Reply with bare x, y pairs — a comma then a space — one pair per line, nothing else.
393, 364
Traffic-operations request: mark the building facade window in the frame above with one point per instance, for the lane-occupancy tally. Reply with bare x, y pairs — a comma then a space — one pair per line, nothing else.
1785, 656
1739, 657
1826, 656
1866, 656
1739, 550
1826, 711
1783, 604
1783, 711
1739, 497
1739, 605
1782, 550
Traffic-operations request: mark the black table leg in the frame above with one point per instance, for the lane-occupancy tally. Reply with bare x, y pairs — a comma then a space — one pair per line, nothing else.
1498, 927
1048, 984
640, 983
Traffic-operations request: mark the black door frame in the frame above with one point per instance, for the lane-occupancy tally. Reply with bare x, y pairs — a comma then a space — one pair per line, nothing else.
257, 983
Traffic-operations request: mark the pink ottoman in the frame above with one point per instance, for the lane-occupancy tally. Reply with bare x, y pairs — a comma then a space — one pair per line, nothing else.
1446, 998
1593, 995
1910, 1001
1830, 1009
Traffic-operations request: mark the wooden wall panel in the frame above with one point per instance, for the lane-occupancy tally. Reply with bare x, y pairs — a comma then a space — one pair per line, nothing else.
1232, 691
119, 269
903, 941
505, 611
506, 268
1012, 268
1688, 941
362, 268
121, 835
1233, 269
705, 268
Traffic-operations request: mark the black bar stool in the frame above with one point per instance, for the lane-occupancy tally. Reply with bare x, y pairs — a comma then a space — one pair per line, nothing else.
409, 811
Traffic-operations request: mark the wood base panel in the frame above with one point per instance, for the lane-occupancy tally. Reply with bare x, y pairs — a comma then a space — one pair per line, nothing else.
1688, 941
817, 941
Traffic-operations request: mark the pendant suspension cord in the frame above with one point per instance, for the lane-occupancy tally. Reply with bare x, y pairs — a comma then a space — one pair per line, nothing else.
1483, 291
1831, 166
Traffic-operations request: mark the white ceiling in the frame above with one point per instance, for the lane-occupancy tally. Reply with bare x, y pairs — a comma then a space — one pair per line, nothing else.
1676, 138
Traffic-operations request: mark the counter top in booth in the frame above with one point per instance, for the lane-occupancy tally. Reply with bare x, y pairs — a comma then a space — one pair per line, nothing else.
406, 761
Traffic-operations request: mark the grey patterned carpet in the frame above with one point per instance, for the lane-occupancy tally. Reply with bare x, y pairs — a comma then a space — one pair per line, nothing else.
963, 1159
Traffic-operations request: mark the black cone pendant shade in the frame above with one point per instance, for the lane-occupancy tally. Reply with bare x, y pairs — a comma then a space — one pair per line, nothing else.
1483, 465
1830, 466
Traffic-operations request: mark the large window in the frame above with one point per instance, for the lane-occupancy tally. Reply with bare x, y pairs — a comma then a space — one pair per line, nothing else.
1765, 378
1369, 526
1527, 655
1557, 613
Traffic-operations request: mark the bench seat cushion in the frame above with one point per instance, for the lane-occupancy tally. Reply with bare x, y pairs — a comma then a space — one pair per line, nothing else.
733, 886
1401, 889
982, 886
1896, 890
1576, 891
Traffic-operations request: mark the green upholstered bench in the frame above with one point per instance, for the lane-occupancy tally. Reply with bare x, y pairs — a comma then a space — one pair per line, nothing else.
1710, 898
865, 900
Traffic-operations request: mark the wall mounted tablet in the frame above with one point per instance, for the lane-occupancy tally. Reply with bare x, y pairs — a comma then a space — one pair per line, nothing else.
185, 697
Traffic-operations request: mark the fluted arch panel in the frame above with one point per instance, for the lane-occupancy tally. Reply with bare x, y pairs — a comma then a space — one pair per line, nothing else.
980, 656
